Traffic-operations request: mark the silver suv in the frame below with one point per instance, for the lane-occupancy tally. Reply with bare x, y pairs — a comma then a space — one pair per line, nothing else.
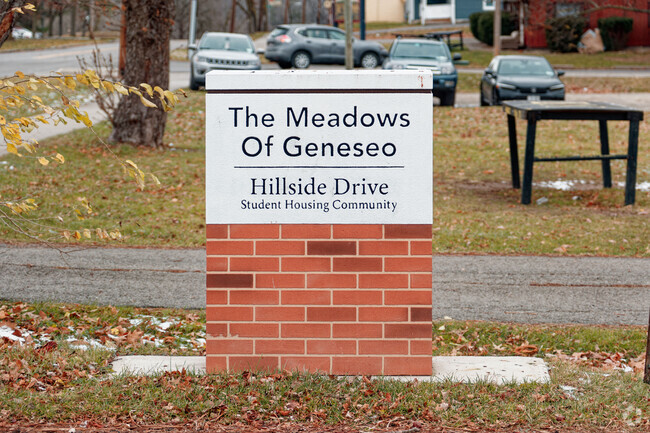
222, 51
300, 45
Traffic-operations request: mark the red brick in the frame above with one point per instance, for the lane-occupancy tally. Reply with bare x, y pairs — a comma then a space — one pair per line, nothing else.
216, 329
383, 248
279, 248
331, 347
405, 231
420, 314
280, 281
222, 346
306, 297
233, 314
357, 297
216, 364
255, 363
216, 297
358, 231
421, 281
217, 264
407, 297
366, 365
403, 264
279, 314
357, 330
306, 231
292, 347
331, 314
408, 365
255, 330
254, 231
332, 281
312, 364
383, 314
357, 264
305, 330
306, 264
420, 330
383, 281
254, 297
229, 248
421, 347
229, 281
257, 264
216, 231
331, 248
383, 347
421, 248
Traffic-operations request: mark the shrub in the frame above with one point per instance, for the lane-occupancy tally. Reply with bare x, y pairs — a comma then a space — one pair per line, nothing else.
563, 34
615, 32
486, 26
473, 23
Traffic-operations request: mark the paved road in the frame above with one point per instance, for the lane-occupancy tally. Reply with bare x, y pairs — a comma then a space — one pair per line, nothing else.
528, 289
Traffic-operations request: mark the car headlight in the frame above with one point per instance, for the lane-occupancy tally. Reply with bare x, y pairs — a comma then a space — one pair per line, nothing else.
556, 87
506, 86
447, 70
395, 66
201, 59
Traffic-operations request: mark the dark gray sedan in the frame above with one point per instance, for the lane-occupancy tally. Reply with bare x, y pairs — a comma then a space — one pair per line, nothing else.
520, 77
300, 45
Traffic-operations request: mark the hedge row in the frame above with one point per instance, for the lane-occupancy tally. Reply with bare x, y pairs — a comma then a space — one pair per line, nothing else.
481, 24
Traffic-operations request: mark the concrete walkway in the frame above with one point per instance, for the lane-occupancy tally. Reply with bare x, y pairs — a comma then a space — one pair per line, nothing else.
529, 289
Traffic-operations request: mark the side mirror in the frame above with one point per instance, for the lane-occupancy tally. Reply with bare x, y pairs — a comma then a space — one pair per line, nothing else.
560, 73
488, 71
260, 51
456, 57
191, 47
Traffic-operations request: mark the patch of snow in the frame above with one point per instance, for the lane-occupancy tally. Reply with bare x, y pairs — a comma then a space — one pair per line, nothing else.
7, 332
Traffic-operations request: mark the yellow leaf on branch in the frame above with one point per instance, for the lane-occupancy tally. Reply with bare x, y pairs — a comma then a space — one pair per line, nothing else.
43, 161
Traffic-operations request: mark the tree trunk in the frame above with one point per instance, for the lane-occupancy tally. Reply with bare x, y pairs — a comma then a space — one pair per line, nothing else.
61, 11
148, 28
7, 18
73, 19
50, 29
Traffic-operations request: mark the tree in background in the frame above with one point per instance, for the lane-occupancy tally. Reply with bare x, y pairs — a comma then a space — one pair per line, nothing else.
148, 29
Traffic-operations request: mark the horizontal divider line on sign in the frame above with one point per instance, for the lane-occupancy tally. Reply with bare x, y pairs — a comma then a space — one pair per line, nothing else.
321, 91
318, 166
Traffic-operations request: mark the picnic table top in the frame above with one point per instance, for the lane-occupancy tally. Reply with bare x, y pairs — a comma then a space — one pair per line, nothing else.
522, 108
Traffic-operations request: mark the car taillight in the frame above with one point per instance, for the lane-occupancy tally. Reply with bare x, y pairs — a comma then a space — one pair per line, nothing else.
283, 39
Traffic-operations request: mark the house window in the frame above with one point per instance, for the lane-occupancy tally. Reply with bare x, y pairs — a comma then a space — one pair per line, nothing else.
488, 5
567, 9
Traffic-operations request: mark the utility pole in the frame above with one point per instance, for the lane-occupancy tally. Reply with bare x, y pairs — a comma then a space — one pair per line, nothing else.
497, 28
91, 19
362, 20
347, 14
233, 15
122, 58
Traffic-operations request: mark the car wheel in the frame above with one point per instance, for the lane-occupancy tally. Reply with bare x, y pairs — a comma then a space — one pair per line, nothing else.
369, 61
284, 65
301, 60
448, 99
194, 85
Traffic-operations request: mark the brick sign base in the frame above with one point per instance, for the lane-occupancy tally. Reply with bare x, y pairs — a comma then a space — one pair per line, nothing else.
332, 298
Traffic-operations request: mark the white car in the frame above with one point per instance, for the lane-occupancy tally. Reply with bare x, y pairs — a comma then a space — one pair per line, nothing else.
226, 51
21, 33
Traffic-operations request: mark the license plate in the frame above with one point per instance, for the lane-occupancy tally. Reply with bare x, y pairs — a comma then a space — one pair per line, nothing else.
533, 97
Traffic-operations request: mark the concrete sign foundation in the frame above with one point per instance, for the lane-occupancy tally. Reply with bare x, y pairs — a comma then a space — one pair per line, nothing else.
319, 212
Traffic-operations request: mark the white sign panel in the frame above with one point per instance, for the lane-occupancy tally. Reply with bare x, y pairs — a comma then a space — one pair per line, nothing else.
337, 147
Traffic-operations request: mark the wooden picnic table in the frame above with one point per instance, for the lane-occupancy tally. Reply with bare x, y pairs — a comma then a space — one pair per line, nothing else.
535, 111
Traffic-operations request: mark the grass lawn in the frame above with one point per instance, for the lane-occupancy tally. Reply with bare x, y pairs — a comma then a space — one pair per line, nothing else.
60, 374
469, 83
475, 210
47, 43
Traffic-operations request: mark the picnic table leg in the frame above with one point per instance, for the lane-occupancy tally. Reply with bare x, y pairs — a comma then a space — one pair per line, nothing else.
632, 150
604, 150
529, 157
514, 155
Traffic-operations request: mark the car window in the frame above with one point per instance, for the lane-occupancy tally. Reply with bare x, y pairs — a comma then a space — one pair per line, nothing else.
317, 33
525, 67
493, 65
420, 50
338, 35
225, 42
302, 32
279, 31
